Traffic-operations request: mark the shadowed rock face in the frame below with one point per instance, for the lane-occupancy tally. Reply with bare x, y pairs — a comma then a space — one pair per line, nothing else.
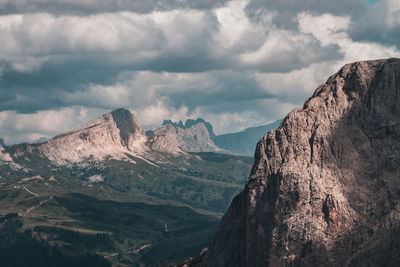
127, 124
325, 186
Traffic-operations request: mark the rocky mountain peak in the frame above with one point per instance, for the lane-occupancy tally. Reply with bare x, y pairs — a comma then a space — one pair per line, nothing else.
193, 136
324, 187
191, 122
112, 134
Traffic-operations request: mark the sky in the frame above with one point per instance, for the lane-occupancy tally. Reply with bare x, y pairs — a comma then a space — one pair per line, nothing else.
237, 63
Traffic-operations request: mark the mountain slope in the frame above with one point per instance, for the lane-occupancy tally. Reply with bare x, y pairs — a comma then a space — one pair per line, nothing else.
324, 188
244, 142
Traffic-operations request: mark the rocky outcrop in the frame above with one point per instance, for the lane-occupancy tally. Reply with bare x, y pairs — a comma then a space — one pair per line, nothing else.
113, 134
325, 186
193, 136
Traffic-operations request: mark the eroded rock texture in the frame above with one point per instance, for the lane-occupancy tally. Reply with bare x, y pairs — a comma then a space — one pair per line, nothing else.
325, 186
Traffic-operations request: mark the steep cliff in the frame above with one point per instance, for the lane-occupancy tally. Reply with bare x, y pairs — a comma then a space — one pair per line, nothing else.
325, 186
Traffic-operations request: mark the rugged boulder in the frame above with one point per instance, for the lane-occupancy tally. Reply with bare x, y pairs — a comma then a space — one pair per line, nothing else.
325, 186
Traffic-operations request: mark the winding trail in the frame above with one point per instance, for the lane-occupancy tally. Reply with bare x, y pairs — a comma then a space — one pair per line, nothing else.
139, 249
38, 205
111, 255
29, 191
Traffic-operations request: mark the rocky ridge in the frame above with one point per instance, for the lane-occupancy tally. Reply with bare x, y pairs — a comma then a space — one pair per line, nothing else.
324, 189
117, 135
193, 136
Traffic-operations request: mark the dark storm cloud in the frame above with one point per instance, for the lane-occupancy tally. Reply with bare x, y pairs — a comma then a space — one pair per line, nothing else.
378, 24
85, 7
43, 89
76, 53
287, 10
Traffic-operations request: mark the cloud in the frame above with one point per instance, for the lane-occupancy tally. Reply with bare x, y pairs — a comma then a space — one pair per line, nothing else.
286, 10
87, 7
380, 23
330, 29
51, 61
175, 41
16, 127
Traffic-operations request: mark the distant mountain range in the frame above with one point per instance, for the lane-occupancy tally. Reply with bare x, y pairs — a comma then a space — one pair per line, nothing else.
242, 143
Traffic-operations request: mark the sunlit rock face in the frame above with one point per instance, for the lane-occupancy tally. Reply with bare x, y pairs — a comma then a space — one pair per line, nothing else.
325, 186
112, 134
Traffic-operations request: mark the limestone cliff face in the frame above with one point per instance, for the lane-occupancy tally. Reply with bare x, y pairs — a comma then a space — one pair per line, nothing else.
325, 186
174, 138
112, 134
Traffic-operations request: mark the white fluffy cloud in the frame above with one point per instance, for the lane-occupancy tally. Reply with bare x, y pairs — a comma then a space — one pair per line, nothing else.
224, 38
17, 127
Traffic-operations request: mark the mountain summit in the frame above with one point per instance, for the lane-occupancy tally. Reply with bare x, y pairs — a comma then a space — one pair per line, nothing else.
112, 134
324, 189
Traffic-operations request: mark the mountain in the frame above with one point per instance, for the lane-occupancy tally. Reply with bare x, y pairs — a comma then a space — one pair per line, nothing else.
244, 142
105, 194
113, 134
193, 136
324, 189
2, 142
190, 122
